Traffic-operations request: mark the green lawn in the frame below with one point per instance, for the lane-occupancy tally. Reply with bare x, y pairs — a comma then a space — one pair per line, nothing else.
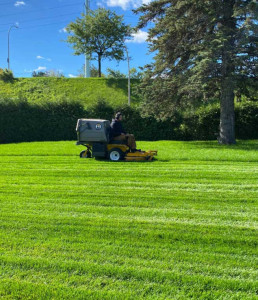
85, 90
181, 227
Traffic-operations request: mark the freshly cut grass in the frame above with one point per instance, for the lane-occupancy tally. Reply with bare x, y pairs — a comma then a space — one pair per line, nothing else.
181, 227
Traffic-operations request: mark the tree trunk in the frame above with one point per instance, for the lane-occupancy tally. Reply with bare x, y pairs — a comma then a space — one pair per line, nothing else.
227, 111
99, 61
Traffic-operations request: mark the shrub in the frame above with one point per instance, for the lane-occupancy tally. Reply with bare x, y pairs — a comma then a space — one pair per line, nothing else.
247, 120
202, 124
6, 75
22, 121
148, 128
100, 110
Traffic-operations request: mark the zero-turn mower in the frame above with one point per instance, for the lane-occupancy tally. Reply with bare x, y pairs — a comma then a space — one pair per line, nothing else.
94, 135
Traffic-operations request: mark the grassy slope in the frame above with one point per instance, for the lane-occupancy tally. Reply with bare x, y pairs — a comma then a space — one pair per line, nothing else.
86, 90
183, 226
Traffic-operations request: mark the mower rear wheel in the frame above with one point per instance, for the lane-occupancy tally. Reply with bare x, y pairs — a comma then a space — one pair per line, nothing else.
116, 154
85, 154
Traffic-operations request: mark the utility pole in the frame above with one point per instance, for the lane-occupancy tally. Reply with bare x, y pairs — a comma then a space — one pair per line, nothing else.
87, 60
129, 76
8, 58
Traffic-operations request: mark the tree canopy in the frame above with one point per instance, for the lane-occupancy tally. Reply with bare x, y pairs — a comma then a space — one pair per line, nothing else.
203, 49
134, 74
101, 34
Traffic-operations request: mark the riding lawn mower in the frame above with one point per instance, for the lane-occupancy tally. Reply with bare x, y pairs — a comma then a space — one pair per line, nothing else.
94, 134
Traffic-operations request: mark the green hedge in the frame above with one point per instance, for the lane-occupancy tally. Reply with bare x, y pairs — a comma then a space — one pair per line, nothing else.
247, 121
24, 122
21, 121
204, 123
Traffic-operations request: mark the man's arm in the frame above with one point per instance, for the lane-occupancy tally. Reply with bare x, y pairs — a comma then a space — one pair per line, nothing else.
116, 130
122, 130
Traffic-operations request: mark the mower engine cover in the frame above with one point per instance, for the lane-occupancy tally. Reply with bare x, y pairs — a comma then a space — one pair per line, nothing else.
93, 130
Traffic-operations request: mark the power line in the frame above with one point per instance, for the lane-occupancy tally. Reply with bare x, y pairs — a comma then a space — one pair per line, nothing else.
6, 3
49, 8
32, 20
41, 25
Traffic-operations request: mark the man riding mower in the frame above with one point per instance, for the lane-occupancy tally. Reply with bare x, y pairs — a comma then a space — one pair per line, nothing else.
104, 141
117, 133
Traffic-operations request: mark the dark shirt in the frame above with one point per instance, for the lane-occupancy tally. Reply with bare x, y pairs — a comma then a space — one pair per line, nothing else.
116, 128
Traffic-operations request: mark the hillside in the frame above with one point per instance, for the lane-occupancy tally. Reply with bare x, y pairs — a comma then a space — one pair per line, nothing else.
86, 90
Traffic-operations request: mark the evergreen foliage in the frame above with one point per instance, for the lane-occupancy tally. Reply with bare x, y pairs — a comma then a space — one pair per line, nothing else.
204, 49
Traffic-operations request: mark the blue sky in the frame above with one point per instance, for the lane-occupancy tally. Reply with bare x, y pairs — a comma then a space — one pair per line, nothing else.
38, 43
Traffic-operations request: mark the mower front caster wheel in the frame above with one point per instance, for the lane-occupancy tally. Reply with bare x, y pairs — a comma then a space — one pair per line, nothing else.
85, 154
116, 154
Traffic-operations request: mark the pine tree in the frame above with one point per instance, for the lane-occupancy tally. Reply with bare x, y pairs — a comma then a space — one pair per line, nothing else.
203, 48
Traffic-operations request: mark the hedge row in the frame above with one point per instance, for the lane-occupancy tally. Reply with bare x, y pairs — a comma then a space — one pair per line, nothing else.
24, 122
21, 121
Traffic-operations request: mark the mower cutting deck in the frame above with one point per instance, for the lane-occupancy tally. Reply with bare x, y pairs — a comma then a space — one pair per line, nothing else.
140, 155
94, 135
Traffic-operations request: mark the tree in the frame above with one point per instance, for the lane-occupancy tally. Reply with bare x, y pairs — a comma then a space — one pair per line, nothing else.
49, 73
39, 74
115, 73
134, 74
102, 33
203, 47
6, 75
55, 73
93, 72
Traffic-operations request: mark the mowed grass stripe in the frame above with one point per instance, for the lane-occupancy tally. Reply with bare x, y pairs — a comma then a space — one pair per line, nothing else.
140, 273
101, 290
184, 226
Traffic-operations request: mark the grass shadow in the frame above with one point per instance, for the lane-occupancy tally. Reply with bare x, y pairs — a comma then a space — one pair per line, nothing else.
9, 80
122, 84
240, 145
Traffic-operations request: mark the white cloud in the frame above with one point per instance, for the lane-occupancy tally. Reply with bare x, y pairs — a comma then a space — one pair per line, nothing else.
122, 3
19, 3
41, 57
40, 69
139, 37
125, 4
71, 76
63, 30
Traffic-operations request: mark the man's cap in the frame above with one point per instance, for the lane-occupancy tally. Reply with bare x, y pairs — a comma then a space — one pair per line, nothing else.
118, 114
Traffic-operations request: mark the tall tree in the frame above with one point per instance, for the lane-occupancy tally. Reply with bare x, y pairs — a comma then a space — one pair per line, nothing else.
101, 33
203, 47
134, 74
115, 74
94, 72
